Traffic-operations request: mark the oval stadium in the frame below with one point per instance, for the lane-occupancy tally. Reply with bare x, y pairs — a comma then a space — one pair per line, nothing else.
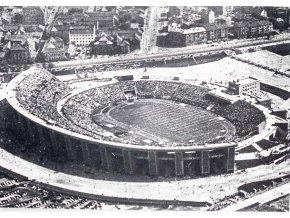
143, 127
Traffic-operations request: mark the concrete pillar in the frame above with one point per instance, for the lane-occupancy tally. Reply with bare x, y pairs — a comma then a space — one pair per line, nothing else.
94, 154
102, 151
35, 131
20, 128
14, 119
106, 158
41, 136
30, 130
153, 163
53, 142
179, 167
69, 149
86, 153
204, 162
230, 160
45, 143
129, 161
25, 126
91, 154
110, 161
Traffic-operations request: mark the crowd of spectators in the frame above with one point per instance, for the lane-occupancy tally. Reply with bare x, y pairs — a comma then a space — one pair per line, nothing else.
243, 115
39, 93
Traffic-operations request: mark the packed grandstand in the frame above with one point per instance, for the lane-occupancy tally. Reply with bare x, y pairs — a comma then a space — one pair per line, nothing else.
39, 93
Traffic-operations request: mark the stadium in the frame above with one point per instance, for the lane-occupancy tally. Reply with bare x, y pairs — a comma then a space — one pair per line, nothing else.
142, 127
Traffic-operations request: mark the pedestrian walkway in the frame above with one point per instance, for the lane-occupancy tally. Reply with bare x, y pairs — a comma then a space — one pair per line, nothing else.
261, 198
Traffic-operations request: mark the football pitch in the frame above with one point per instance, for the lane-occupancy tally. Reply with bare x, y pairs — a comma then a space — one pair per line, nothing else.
172, 121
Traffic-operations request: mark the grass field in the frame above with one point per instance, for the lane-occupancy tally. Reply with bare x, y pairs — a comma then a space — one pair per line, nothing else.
172, 122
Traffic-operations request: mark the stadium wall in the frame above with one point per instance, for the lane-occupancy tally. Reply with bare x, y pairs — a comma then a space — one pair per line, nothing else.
275, 91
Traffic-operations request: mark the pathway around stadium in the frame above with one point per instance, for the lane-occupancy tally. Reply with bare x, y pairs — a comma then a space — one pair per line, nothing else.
204, 48
195, 190
261, 198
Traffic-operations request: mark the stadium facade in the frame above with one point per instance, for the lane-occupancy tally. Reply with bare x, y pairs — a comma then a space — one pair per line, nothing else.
55, 135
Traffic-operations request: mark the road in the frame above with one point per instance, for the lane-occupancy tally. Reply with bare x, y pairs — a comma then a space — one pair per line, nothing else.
172, 53
149, 37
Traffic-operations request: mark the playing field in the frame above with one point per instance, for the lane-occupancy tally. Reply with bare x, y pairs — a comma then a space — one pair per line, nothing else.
171, 122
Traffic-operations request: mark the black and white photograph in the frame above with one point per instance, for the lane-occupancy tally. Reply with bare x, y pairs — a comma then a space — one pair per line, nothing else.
144, 108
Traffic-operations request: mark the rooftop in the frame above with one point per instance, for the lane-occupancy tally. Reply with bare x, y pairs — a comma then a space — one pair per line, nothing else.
82, 31
253, 23
17, 47
104, 40
245, 81
176, 28
215, 26
101, 15
53, 44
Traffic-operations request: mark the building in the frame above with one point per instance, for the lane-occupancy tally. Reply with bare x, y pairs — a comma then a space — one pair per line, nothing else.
34, 31
178, 37
228, 21
2, 32
279, 12
62, 31
264, 13
218, 10
110, 45
132, 15
228, 10
82, 36
211, 17
208, 17
104, 45
133, 36
247, 86
71, 50
33, 15
72, 19
2, 57
124, 47
18, 53
19, 48
252, 29
101, 19
216, 32
9, 29
174, 11
54, 49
